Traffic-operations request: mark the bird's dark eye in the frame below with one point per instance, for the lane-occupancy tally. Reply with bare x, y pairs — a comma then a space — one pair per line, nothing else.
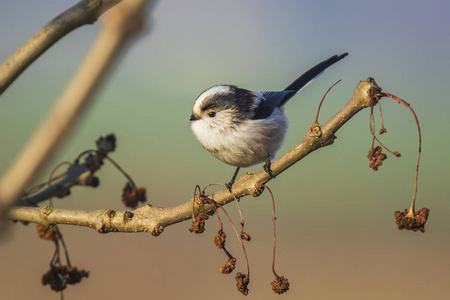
211, 114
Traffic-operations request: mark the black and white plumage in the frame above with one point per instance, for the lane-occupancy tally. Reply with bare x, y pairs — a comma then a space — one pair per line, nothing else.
242, 127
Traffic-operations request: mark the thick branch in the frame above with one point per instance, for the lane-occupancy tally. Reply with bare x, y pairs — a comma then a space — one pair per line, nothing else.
83, 13
154, 220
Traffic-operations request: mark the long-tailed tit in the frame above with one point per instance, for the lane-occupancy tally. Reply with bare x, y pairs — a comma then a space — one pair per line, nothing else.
242, 127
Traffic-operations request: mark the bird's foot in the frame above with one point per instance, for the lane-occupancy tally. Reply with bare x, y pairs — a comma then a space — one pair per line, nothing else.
267, 167
229, 185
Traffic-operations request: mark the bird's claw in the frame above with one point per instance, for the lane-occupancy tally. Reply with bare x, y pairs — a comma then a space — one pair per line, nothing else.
267, 168
229, 185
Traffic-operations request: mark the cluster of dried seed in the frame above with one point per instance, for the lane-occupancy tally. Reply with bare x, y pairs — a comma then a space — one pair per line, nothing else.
58, 277
242, 282
280, 285
132, 195
414, 223
376, 157
198, 225
229, 266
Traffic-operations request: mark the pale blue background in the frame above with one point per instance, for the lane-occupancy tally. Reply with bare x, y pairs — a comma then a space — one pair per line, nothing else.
337, 237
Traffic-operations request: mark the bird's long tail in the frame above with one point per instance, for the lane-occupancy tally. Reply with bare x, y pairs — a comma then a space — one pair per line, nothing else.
309, 76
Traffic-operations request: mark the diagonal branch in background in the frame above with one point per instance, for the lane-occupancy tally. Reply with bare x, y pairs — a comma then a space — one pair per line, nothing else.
81, 174
83, 13
154, 219
119, 25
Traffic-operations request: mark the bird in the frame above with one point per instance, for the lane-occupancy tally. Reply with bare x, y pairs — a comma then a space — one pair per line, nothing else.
244, 128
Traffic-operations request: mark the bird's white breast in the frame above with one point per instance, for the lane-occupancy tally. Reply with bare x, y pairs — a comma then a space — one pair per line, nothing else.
243, 144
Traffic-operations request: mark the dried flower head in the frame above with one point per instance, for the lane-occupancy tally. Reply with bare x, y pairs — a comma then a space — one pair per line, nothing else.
280, 285
383, 130
132, 195
415, 223
242, 282
47, 233
55, 279
106, 144
219, 239
229, 266
376, 157
58, 277
198, 225
245, 236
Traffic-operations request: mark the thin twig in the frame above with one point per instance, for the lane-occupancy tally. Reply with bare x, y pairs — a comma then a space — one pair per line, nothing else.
323, 98
274, 231
411, 212
238, 236
235, 200
121, 171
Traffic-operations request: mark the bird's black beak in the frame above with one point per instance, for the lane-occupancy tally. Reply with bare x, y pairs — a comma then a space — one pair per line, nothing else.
193, 118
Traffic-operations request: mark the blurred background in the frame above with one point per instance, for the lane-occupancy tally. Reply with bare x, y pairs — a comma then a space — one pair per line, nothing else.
336, 233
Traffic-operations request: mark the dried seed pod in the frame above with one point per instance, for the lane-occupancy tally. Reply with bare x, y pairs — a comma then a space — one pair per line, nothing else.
415, 223
242, 282
280, 285
58, 277
198, 226
47, 233
219, 239
376, 157
229, 266
54, 278
245, 236
132, 195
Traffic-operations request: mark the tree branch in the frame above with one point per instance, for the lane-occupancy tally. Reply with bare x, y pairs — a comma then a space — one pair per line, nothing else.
154, 219
120, 24
83, 13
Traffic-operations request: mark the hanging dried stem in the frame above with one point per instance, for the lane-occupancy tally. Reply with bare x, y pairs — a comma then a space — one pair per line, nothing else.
323, 98
411, 212
238, 236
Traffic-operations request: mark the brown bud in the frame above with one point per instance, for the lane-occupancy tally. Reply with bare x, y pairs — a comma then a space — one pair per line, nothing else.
245, 236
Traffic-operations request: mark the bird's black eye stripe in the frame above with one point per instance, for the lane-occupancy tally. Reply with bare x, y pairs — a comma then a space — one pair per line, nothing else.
211, 114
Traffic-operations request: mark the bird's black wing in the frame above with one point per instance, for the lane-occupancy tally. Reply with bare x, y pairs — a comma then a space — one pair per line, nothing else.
268, 102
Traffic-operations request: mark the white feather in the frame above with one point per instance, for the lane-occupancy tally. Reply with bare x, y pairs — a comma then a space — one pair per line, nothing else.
241, 145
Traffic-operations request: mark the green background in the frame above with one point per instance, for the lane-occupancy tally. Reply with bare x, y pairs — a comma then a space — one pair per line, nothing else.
336, 233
